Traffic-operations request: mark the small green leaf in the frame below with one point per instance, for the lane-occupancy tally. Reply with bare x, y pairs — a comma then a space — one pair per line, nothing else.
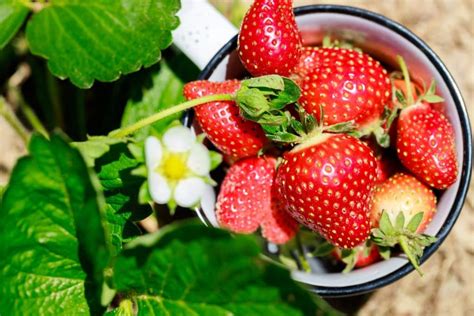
53, 240
12, 15
415, 222
165, 91
94, 147
323, 250
433, 98
270, 82
385, 225
349, 257
87, 40
216, 159
283, 137
384, 252
400, 96
252, 102
290, 94
121, 187
177, 271
400, 221
342, 127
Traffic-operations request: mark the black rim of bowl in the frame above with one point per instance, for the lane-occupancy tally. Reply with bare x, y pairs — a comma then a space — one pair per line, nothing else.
465, 127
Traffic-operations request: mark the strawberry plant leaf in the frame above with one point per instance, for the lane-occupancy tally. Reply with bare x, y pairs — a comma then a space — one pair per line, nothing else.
165, 91
385, 224
12, 15
87, 40
53, 242
115, 170
177, 270
94, 147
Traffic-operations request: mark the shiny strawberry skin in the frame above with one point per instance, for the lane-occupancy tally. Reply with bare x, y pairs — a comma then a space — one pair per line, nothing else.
403, 193
326, 185
245, 197
278, 226
348, 85
221, 121
309, 60
426, 146
269, 40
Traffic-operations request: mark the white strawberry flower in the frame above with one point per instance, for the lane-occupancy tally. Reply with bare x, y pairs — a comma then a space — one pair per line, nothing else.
178, 168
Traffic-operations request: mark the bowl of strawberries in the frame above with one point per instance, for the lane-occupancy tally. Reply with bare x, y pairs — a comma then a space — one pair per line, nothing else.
347, 143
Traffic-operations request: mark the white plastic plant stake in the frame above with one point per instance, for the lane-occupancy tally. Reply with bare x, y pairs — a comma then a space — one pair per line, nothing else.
202, 32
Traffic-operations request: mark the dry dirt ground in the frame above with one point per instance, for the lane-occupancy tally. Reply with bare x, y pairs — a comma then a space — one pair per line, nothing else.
448, 285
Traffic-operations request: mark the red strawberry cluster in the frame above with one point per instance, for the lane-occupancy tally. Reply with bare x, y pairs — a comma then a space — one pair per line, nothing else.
326, 171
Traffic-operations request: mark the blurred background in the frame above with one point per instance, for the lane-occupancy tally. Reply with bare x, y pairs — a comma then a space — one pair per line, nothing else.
447, 26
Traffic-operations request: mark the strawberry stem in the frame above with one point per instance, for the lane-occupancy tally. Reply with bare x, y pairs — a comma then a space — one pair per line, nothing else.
406, 78
122, 132
403, 241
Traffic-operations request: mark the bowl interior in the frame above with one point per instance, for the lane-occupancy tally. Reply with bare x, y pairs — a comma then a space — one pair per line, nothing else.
384, 43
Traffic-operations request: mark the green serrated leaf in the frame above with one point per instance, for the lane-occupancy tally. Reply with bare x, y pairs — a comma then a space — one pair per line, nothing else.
53, 240
87, 40
166, 90
271, 82
94, 147
400, 221
177, 271
290, 94
121, 187
252, 102
415, 222
12, 15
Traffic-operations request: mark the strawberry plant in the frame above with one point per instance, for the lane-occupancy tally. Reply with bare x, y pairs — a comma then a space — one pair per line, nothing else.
294, 155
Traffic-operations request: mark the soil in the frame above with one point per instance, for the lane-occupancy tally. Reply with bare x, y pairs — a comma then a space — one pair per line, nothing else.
448, 285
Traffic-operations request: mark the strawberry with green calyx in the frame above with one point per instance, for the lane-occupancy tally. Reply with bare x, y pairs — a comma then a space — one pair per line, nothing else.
401, 209
260, 99
269, 40
220, 120
349, 86
425, 137
358, 257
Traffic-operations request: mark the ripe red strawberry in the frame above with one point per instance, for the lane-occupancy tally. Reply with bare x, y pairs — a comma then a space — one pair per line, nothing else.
245, 197
269, 40
326, 184
309, 60
348, 86
401, 209
278, 226
225, 128
425, 145
358, 257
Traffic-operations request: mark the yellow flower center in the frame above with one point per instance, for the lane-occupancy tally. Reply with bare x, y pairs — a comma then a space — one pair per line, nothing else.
174, 166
